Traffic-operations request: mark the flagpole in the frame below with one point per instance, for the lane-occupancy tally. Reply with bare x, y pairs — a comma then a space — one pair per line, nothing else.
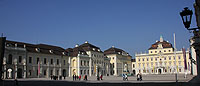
176, 73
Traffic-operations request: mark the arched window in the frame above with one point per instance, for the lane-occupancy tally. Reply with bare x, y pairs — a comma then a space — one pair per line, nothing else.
10, 59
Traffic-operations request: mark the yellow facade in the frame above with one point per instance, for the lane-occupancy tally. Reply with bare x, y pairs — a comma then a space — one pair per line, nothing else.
161, 60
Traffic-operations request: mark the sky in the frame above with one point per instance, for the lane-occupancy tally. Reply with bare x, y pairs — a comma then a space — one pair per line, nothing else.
131, 25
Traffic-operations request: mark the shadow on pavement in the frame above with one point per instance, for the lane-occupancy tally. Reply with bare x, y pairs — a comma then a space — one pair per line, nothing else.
71, 83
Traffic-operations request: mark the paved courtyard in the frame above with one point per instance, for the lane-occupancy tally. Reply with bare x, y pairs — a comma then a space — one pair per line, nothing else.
164, 80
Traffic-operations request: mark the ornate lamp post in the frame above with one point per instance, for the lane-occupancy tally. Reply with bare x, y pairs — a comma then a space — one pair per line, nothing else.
186, 16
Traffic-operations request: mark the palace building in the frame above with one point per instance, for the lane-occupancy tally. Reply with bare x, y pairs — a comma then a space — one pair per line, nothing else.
120, 61
25, 60
162, 59
88, 59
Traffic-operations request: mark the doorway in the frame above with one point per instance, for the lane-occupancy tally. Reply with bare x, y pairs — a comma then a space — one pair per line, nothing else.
159, 71
19, 73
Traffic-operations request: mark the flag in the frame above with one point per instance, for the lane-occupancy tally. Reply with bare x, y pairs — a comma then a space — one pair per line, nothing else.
184, 56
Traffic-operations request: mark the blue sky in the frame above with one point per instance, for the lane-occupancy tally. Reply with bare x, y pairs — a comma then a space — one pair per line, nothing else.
132, 25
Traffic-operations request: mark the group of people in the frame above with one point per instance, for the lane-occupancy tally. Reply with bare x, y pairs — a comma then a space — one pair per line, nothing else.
76, 77
125, 77
99, 77
56, 77
139, 77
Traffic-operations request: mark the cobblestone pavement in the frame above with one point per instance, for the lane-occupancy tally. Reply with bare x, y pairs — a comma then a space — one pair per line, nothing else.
117, 79
148, 80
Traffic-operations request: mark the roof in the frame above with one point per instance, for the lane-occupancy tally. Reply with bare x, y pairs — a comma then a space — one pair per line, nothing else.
165, 44
114, 50
89, 47
82, 49
37, 48
132, 60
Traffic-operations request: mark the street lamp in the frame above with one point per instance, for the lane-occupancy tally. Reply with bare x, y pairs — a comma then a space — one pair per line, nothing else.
186, 16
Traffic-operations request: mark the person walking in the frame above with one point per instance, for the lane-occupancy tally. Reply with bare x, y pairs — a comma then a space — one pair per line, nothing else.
126, 77
98, 77
140, 77
73, 77
123, 76
79, 77
86, 77
101, 77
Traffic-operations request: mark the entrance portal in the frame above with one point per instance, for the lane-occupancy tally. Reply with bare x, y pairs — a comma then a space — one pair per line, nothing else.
19, 73
159, 71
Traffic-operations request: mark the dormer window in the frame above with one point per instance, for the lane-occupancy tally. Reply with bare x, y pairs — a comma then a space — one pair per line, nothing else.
119, 52
7, 45
99, 50
82, 53
93, 49
51, 51
64, 53
37, 49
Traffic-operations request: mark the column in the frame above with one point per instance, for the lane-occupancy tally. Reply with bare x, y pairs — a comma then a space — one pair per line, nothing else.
24, 70
15, 71
90, 67
78, 63
4, 74
69, 62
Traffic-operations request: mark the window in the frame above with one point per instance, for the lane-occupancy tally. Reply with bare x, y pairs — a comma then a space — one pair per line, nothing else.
88, 72
169, 50
36, 72
92, 71
44, 72
133, 65
81, 63
179, 57
38, 59
165, 58
87, 63
45, 61
147, 59
179, 63
81, 72
84, 71
9, 59
169, 57
164, 50
174, 58
30, 59
51, 72
57, 72
73, 64
156, 58
151, 58
151, 63
57, 61
29, 72
138, 59
179, 70
51, 61
64, 62
20, 59
84, 63
155, 51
